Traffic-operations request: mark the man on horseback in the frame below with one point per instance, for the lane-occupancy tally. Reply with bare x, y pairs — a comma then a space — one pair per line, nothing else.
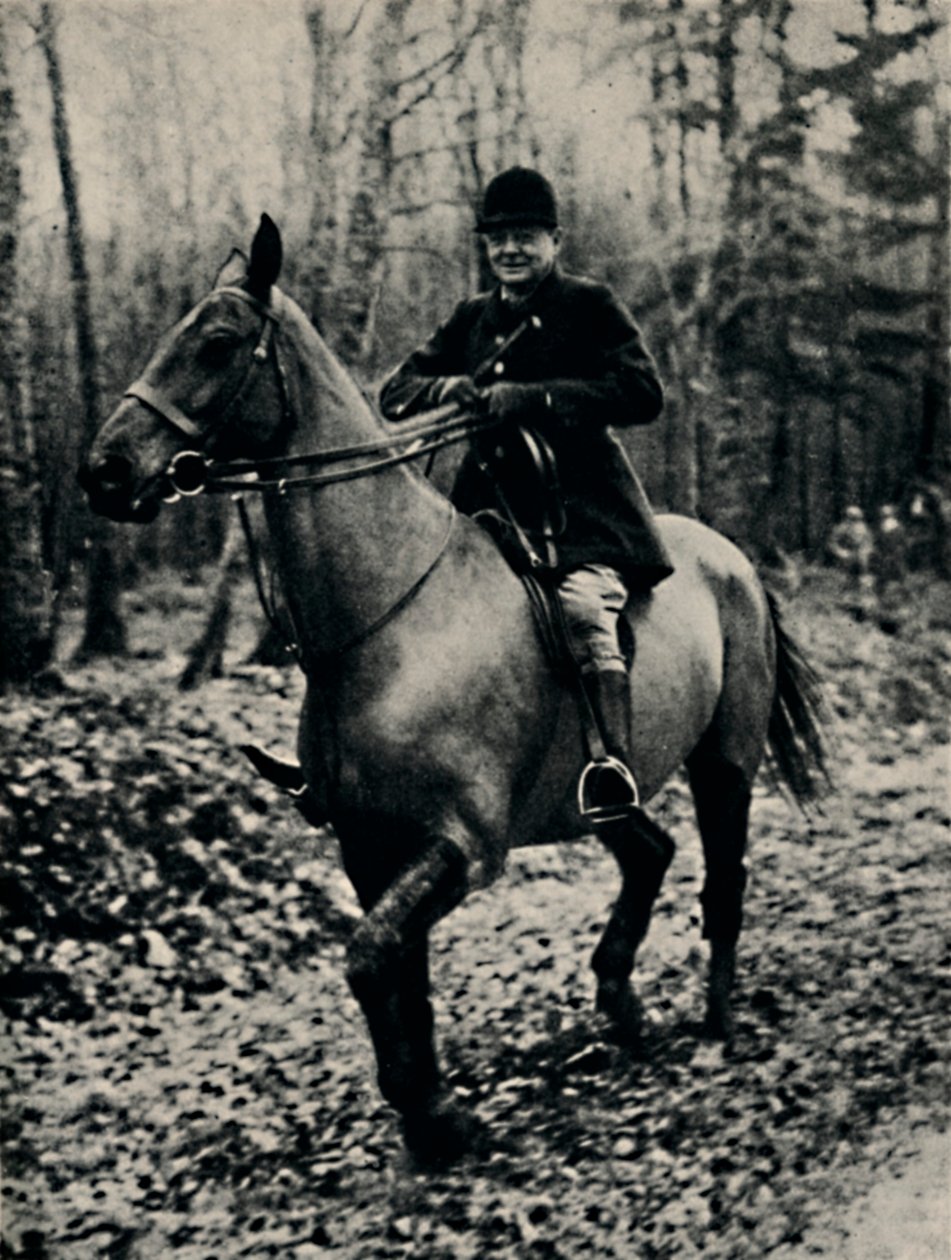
575, 366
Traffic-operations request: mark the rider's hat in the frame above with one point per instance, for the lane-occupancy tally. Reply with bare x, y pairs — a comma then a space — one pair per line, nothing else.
519, 197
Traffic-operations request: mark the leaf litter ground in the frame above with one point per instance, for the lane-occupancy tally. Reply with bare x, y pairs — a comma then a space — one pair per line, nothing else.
186, 1073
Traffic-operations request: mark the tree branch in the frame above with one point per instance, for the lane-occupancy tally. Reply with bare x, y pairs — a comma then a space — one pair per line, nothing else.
440, 69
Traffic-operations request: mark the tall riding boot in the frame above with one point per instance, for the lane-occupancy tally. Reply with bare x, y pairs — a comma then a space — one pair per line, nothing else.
610, 694
288, 776
608, 787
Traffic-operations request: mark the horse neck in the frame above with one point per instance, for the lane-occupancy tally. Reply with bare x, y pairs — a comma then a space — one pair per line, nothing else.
347, 552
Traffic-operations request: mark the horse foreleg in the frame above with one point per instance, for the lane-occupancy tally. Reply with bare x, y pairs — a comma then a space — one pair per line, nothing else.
387, 971
722, 794
643, 851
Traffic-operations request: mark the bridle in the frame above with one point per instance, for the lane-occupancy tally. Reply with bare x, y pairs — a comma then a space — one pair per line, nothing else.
191, 472
172, 414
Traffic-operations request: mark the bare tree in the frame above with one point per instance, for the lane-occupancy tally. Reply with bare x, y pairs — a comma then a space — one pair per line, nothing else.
25, 597
206, 658
104, 633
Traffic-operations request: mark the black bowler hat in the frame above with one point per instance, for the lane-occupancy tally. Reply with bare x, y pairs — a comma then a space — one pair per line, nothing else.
519, 197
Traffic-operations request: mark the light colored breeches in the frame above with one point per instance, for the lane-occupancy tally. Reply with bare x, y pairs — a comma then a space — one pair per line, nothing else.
593, 598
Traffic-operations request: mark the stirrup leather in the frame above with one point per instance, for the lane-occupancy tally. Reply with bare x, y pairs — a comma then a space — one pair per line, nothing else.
594, 811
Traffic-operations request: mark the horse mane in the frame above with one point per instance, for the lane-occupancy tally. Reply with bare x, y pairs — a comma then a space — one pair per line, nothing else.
334, 379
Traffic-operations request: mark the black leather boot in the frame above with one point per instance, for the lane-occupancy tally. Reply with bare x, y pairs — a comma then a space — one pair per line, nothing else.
288, 776
610, 694
608, 788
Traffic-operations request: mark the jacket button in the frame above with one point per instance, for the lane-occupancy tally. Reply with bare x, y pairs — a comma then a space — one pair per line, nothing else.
499, 368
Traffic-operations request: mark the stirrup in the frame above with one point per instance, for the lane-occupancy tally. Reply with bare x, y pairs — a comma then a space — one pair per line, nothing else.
280, 771
588, 805
288, 776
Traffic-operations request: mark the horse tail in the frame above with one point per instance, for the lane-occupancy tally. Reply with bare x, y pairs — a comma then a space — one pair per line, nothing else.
796, 738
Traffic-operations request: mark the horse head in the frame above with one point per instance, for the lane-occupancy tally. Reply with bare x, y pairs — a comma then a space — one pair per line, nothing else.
207, 392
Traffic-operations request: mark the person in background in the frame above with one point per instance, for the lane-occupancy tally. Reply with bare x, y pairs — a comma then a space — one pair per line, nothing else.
929, 530
578, 369
851, 544
850, 547
889, 555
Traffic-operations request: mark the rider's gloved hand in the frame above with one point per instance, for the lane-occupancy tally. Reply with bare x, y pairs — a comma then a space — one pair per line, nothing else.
460, 390
511, 400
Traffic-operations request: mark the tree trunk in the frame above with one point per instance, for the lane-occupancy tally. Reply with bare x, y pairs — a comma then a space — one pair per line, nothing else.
681, 472
364, 254
104, 633
206, 658
25, 588
318, 277
682, 82
934, 446
727, 112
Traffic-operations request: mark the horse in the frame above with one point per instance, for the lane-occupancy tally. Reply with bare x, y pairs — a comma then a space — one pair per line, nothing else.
434, 731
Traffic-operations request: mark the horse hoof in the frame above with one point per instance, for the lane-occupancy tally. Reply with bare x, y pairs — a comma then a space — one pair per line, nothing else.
718, 1025
441, 1134
617, 1003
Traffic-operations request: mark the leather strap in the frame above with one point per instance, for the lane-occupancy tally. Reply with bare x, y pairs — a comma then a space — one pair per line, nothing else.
165, 408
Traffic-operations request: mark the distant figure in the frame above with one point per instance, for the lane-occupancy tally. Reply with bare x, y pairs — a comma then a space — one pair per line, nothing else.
851, 544
890, 550
929, 530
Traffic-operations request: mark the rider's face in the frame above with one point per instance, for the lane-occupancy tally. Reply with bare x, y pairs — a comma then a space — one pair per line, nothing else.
521, 257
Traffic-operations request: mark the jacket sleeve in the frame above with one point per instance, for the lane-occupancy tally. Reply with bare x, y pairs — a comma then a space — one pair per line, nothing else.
413, 386
623, 387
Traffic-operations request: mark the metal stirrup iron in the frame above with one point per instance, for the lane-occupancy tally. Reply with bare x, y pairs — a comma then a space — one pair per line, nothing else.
619, 775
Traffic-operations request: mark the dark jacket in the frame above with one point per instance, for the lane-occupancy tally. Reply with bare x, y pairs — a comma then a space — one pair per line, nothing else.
596, 372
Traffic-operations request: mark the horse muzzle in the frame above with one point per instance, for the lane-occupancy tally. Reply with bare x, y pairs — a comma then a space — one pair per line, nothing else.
109, 486
109, 483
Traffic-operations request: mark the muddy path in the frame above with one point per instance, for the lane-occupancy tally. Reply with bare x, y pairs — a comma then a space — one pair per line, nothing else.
187, 1075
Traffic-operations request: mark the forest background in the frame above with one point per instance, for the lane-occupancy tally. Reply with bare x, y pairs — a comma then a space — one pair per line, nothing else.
764, 182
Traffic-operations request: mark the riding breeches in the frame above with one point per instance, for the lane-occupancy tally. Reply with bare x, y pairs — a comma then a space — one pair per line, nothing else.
593, 598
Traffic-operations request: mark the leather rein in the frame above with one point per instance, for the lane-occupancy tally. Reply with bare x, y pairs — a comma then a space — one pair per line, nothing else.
191, 472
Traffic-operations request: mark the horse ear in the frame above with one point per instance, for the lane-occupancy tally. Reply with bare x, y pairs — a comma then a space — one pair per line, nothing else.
266, 254
234, 270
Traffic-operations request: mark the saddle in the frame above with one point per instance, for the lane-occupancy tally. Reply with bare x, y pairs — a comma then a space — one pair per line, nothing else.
607, 790
528, 541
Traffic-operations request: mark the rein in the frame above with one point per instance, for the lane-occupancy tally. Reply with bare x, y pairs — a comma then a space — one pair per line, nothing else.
191, 472
447, 426
361, 636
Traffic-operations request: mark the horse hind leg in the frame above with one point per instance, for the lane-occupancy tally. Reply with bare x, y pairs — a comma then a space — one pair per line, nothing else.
722, 791
643, 851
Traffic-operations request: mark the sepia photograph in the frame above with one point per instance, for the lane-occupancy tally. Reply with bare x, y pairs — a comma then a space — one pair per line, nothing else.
475, 629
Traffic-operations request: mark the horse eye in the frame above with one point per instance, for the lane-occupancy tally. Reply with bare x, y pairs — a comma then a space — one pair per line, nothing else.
216, 351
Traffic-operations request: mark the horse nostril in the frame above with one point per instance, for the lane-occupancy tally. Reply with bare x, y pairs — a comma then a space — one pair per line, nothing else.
111, 474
